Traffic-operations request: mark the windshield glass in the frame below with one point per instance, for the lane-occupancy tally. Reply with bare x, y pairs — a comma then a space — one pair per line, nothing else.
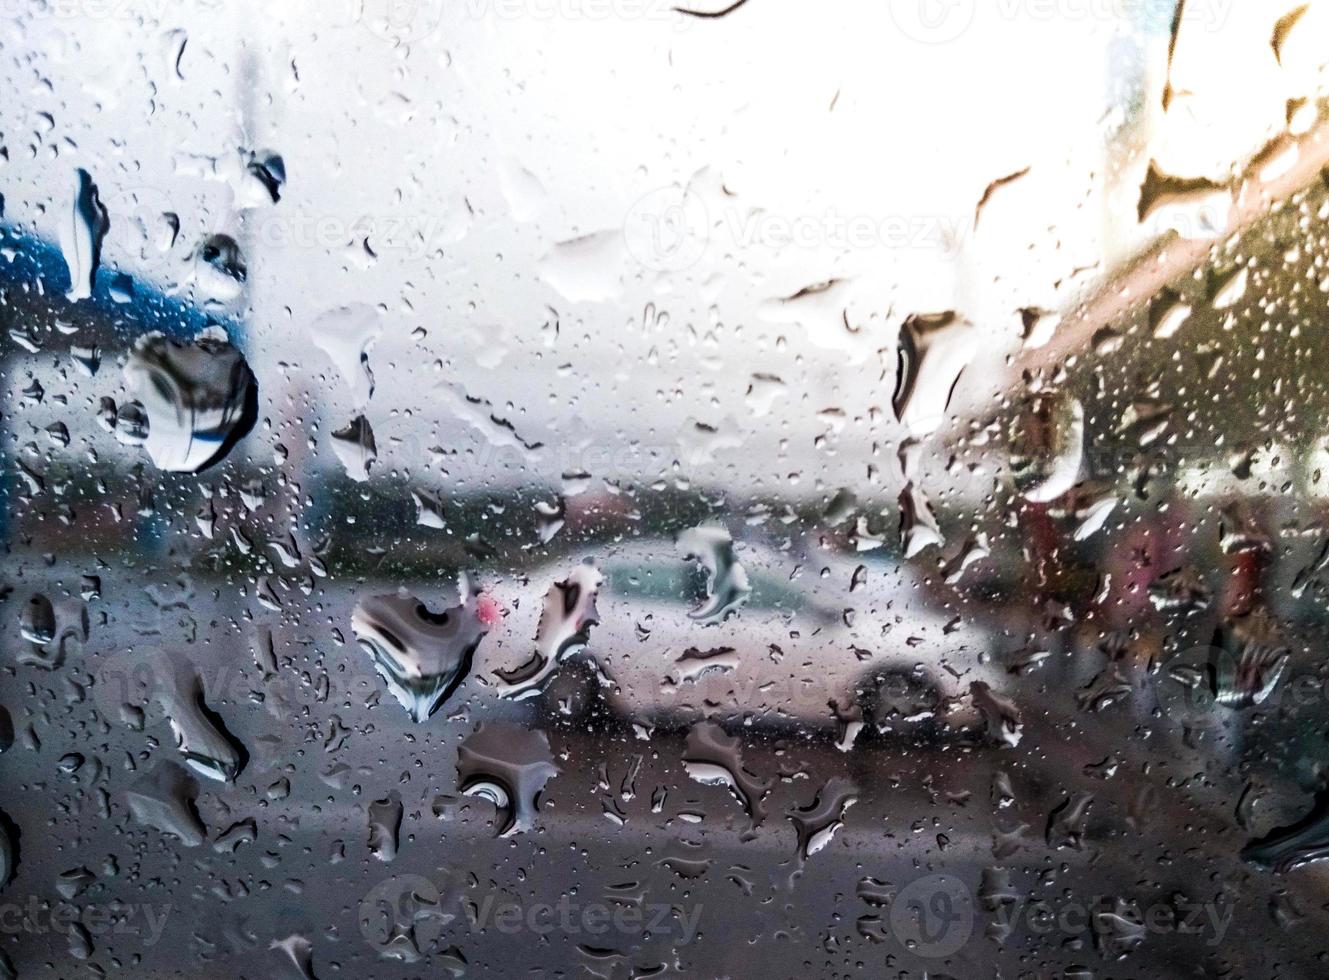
624, 489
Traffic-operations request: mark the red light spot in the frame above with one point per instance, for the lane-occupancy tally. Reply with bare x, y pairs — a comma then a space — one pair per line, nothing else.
487, 610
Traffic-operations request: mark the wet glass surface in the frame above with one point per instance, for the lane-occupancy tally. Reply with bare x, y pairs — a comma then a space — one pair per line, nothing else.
595, 488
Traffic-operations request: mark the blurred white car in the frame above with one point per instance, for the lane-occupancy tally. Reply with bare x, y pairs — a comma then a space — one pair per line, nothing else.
822, 641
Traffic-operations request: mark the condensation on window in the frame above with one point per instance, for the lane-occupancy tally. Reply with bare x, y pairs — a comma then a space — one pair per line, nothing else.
609, 488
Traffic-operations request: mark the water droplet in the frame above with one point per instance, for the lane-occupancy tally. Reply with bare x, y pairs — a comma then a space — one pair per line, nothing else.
235, 836
37, 621
918, 527
565, 623
509, 767
1250, 660
217, 268
1093, 512
1047, 446
428, 509
208, 748
264, 174
587, 269
550, 518
1168, 313
693, 664
1068, 821
727, 585
934, 350
1287, 848
522, 190
714, 758
841, 507
299, 952
345, 334
1194, 208
1039, 326
1226, 290
81, 234
384, 827
173, 43
1000, 713
974, 549
1180, 590
355, 448
818, 822
422, 656
164, 800
80, 943
87, 358
199, 398
8, 850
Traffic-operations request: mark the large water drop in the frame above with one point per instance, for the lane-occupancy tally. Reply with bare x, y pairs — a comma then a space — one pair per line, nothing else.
199, 396
81, 234
565, 625
508, 766
727, 585
421, 655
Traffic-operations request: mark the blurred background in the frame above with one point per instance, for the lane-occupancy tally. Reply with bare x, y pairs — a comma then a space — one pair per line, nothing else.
715, 491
